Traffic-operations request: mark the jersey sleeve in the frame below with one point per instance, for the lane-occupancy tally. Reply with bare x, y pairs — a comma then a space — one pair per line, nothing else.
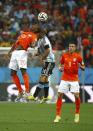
46, 41
46, 44
46, 47
80, 59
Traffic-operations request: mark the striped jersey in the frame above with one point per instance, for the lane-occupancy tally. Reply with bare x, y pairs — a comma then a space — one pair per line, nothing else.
41, 43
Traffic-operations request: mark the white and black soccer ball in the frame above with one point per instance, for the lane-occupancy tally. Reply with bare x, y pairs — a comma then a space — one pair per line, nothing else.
42, 16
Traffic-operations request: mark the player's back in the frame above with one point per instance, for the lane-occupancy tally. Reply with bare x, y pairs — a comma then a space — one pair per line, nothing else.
26, 38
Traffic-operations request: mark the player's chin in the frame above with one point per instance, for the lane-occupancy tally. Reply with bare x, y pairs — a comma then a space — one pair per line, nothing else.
71, 51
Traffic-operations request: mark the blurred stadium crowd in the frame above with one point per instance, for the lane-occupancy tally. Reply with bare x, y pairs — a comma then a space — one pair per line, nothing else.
69, 20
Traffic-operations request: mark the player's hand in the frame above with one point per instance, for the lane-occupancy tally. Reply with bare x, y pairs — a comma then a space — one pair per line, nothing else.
61, 68
82, 67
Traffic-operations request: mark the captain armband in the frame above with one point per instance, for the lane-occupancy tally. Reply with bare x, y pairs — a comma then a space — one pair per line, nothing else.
46, 46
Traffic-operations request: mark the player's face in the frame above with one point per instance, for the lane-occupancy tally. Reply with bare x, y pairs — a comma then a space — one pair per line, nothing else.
72, 48
33, 44
40, 35
34, 27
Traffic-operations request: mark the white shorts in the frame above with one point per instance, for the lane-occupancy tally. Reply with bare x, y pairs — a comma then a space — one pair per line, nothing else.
18, 60
66, 86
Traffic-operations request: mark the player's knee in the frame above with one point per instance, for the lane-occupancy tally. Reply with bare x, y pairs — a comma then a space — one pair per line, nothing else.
60, 95
23, 71
76, 95
13, 72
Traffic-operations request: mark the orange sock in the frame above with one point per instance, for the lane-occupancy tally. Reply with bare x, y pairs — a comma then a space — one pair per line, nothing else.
17, 82
58, 106
77, 103
26, 82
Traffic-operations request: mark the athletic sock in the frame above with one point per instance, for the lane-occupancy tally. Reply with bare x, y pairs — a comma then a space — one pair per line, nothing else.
17, 82
77, 103
38, 89
58, 106
26, 82
46, 90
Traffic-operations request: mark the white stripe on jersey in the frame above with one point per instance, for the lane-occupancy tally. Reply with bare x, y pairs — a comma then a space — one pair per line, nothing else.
41, 43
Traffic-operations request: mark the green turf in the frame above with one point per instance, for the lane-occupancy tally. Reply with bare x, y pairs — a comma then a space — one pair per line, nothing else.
39, 117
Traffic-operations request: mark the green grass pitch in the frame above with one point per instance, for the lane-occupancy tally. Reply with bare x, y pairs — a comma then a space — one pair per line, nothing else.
39, 117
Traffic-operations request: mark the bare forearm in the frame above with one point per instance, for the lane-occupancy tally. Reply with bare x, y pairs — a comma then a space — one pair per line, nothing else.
61, 67
13, 48
44, 56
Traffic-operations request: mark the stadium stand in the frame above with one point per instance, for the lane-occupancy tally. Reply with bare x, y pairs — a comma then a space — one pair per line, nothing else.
69, 20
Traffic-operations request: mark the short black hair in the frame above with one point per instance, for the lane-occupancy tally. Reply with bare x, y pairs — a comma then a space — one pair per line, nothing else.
36, 28
73, 43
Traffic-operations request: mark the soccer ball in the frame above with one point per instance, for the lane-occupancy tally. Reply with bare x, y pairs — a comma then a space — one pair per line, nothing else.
42, 16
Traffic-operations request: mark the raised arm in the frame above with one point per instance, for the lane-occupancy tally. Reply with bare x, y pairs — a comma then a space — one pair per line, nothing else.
13, 47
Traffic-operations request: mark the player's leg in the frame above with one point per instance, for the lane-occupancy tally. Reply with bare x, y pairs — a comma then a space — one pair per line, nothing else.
44, 79
63, 88
75, 90
77, 107
39, 87
22, 63
46, 89
16, 80
26, 80
40, 84
13, 65
49, 66
18, 85
46, 72
58, 107
45, 82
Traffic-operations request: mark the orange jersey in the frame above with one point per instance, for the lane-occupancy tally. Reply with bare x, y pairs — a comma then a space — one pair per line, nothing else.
71, 65
26, 39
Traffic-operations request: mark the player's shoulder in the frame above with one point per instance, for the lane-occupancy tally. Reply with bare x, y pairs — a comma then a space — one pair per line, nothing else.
32, 34
29, 33
23, 33
46, 39
65, 52
77, 54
